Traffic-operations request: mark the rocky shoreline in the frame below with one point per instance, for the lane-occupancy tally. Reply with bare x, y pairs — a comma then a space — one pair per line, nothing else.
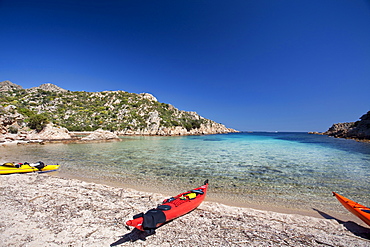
359, 131
204, 129
15, 128
120, 112
56, 134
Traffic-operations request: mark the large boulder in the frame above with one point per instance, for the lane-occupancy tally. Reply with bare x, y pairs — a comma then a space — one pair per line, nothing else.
100, 134
50, 132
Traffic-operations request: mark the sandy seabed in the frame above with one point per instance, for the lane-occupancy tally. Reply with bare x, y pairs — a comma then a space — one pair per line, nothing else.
42, 210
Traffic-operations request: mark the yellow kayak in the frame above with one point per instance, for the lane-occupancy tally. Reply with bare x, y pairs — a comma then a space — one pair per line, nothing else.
40, 167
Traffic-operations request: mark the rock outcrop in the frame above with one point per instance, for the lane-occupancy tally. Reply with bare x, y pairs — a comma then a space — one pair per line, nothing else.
10, 120
355, 130
8, 86
100, 134
13, 130
339, 129
361, 129
149, 96
47, 87
50, 132
204, 129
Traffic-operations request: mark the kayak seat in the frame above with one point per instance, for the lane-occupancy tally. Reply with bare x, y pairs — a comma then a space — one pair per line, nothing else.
365, 210
164, 207
169, 200
200, 192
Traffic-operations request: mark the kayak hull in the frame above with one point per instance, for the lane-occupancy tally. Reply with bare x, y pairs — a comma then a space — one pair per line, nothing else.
355, 208
175, 207
25, 168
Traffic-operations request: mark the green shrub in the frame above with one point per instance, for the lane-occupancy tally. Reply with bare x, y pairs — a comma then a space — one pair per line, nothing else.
13, 130
25, 111
38, 122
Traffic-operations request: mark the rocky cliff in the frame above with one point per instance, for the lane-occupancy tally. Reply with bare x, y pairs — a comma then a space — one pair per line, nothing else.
355, 130
116, 111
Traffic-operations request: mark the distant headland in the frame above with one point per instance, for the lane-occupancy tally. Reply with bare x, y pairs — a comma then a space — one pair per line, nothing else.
49, 112
359, 130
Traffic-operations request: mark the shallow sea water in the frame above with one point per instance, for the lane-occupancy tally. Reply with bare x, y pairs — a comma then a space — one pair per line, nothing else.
295, 170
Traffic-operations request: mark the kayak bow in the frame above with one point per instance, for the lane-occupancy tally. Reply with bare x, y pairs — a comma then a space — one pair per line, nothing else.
355, 208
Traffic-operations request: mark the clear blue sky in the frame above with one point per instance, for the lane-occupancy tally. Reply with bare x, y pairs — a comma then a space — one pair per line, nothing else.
266, 65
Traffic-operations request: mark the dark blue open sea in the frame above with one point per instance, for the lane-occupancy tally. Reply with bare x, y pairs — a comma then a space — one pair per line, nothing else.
296, 170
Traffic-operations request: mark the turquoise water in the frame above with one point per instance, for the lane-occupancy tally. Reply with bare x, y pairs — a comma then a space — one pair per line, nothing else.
297, 169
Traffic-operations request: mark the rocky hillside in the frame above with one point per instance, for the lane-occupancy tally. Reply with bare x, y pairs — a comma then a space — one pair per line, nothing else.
355, 130
117, 111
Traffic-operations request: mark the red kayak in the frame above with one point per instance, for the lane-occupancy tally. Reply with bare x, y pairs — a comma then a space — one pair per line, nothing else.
170, 209
357, 209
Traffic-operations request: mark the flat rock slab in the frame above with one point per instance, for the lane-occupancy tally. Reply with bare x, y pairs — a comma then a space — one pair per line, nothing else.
42, 210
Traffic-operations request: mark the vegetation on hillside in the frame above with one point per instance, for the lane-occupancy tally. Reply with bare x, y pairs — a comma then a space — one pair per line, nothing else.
88, 111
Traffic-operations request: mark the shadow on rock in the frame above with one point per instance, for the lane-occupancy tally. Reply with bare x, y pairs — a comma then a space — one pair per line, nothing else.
133, 236
351, 226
